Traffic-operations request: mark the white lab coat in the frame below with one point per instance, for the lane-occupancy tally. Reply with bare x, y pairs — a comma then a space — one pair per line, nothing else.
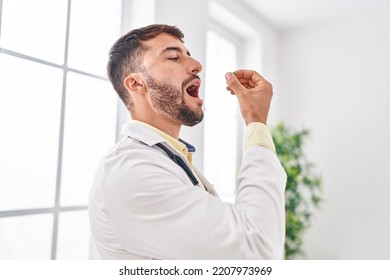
144, 206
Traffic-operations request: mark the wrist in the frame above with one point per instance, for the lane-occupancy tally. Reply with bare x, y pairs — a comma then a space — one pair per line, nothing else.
255, 119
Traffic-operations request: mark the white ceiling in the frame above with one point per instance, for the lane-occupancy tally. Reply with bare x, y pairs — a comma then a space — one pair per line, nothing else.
289, 14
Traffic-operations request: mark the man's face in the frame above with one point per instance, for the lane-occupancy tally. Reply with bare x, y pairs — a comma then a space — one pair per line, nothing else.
170, 74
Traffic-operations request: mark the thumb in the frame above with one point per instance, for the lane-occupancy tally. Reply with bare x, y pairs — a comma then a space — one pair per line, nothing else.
233, 83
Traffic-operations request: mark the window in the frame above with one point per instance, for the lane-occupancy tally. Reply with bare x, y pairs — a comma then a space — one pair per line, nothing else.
223, 125
57, 116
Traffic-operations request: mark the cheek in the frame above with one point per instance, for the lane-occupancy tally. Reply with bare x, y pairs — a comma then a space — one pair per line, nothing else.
167, 75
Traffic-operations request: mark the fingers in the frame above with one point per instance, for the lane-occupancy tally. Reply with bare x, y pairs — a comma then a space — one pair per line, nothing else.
240, 79
248, 78
254, 94
233, 84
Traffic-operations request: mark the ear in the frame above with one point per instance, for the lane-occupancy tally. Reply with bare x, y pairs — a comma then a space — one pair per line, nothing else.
135, 83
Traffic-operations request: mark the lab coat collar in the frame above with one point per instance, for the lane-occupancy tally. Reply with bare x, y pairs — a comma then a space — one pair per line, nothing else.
147, 136
140, 131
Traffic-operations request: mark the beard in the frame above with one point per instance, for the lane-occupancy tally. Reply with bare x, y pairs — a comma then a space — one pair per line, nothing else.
169, 100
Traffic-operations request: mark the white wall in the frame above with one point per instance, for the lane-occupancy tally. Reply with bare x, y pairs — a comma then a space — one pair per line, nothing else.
335, 80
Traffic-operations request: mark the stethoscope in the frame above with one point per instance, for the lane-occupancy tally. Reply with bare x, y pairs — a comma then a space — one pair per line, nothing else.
179, 162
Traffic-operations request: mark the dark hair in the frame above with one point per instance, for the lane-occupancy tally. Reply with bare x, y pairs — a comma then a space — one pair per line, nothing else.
125, 56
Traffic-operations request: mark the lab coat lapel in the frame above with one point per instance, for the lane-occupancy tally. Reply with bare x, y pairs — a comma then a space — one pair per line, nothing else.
205, 182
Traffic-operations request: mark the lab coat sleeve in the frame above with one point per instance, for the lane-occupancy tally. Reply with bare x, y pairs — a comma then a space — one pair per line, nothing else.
156, 213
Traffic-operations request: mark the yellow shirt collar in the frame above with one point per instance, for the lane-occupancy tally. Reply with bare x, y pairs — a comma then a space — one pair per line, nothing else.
176, 144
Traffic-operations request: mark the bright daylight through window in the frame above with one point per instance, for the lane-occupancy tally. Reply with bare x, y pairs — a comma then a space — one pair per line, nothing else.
222, 121
58, 116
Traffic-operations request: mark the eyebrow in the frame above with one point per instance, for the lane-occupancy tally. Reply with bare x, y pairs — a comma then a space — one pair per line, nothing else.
175, 49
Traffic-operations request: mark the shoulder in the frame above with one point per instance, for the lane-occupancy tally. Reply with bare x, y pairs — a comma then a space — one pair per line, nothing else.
131, 155
134, 165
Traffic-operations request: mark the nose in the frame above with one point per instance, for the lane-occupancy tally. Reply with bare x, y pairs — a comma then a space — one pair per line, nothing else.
195, 66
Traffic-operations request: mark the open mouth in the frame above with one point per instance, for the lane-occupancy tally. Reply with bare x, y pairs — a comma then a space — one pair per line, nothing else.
193, 89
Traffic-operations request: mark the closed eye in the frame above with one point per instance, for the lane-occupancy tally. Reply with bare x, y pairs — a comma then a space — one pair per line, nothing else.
173, 58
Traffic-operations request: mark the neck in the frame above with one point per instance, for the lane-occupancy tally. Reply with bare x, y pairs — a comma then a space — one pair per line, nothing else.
144, 112
165, 125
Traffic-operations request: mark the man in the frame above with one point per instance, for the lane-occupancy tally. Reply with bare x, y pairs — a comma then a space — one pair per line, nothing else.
148, 201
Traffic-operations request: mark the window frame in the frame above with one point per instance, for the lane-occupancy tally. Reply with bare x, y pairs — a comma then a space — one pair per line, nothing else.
56, 209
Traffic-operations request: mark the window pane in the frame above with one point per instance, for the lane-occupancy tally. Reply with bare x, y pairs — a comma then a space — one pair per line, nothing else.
221, 58
93, 33
30, 105
35, 28
73, 235
220, 155
221, 117
90, 126
26, 237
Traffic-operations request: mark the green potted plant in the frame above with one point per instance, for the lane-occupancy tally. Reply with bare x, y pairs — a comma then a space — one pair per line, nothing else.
303, 188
